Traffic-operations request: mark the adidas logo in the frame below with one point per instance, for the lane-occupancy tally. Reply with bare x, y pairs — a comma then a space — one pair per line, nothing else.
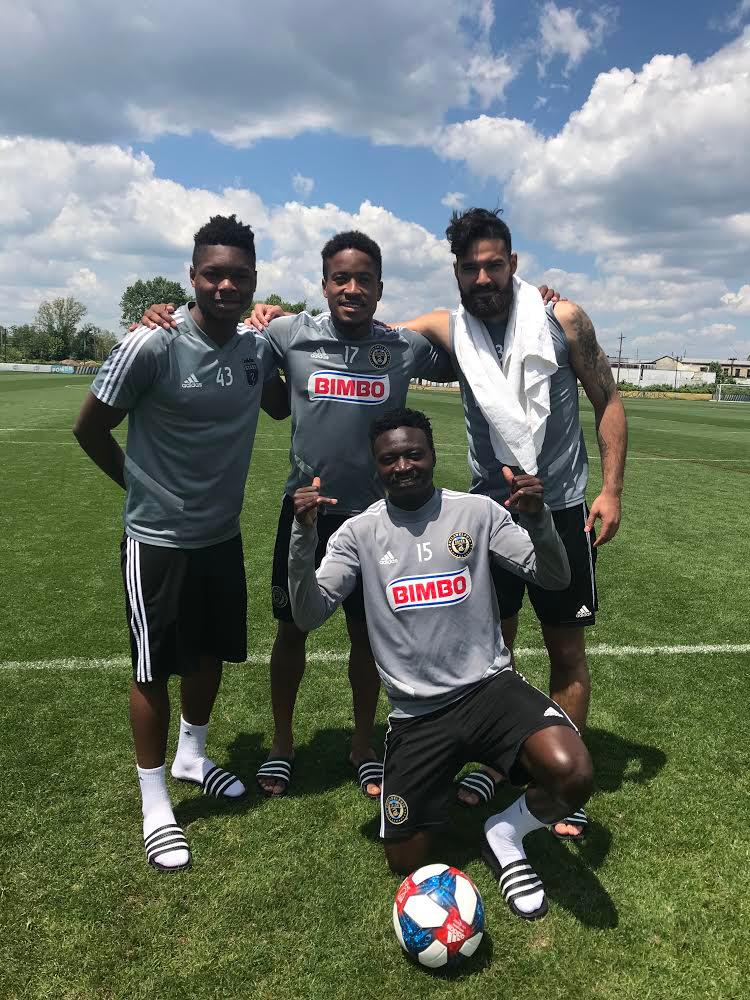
388, 559
320, 355
584, 612
191, 382
553, 711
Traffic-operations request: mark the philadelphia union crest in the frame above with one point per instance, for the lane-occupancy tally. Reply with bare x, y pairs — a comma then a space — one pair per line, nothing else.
379, 356
396, 809
460, 544
279, 597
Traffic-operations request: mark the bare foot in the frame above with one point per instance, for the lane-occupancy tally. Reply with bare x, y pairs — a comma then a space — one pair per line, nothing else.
563, 829
372, 788
274, 786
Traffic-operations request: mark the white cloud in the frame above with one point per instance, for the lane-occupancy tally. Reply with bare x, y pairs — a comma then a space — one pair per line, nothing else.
738, 301
303, 185
93, 72
540, 102
561, 34
88, 221
734, 20
453, 199
650, 176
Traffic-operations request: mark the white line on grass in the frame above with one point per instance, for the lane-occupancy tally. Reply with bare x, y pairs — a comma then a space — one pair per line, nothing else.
329, 656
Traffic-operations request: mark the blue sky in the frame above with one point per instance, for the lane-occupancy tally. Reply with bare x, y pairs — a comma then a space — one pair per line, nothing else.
614, 136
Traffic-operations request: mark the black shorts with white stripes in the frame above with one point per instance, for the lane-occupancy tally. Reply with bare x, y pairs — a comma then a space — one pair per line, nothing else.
182, 604
577, 605
422, 754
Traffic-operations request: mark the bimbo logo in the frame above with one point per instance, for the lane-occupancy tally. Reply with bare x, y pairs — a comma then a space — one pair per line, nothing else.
429, 591
367, 390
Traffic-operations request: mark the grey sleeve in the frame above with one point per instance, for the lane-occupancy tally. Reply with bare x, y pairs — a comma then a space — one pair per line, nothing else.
267, 359
430, 362
279, 334
315, 596
531, 549
130, 370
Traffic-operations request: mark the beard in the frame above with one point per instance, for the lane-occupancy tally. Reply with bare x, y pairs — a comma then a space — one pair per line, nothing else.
484, 305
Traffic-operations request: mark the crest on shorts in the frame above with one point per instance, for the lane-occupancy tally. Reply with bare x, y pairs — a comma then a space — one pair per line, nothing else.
379, 356
279, 597
251, 370
460, 544
396, 809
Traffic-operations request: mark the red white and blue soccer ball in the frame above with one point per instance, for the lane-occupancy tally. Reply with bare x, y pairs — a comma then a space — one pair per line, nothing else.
438, 916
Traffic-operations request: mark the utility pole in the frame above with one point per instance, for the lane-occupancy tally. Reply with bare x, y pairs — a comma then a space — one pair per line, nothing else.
619, 358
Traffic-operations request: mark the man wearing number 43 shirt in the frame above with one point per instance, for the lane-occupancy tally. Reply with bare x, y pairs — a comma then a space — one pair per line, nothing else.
423, 556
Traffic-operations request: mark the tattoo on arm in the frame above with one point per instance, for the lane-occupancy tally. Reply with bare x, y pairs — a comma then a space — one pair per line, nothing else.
592, 356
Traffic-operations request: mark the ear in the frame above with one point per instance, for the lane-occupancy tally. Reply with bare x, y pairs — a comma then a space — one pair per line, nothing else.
455, 269
192, 275
380, 290
324, 284
513, 262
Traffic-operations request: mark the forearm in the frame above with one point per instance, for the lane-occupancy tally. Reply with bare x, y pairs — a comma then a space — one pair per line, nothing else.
612, 437
550, 569
310, 606
103, 451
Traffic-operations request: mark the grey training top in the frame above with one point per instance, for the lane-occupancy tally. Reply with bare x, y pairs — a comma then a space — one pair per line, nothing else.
562, 463
432, 613
193, 408
337, 388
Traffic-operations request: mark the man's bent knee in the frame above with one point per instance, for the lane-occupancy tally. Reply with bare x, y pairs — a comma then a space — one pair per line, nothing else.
405, 856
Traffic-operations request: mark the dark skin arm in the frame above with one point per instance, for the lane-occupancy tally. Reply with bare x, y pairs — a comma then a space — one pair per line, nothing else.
275, 399
93, 431
590, 364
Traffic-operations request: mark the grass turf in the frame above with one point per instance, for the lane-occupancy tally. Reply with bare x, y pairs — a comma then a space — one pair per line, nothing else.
292, 898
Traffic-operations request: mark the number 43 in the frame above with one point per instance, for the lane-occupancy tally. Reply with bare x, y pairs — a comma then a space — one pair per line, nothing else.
224, 376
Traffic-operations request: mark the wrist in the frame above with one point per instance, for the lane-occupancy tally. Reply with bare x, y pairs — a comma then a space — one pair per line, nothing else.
612, 491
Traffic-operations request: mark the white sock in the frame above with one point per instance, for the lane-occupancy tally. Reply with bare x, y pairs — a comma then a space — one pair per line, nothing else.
505, 833
157, 811
191, 762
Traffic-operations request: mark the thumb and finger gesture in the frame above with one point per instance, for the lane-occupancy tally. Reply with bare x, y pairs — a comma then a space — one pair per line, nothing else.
605, 508
526, 492
307, 499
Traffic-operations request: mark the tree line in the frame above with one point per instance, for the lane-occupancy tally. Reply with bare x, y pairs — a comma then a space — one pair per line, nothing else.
58, 331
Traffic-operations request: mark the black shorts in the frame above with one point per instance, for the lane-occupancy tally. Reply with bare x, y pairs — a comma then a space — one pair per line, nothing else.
423, 754
182, 604
572, 607
353, 605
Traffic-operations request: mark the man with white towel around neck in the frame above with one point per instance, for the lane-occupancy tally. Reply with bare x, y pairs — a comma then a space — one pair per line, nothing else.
485, 267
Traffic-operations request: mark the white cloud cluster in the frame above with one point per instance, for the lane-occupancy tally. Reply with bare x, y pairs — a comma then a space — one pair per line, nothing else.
94, 72
88, 220
650, 175
561, 34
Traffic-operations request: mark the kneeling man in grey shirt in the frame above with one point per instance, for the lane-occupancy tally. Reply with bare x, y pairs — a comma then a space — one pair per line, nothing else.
424, 556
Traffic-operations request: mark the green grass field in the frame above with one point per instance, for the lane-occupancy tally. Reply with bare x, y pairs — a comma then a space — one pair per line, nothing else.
292, 898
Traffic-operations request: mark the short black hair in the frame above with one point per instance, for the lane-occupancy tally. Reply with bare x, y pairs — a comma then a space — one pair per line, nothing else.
476, 224
353, 240
226, 231
402, 417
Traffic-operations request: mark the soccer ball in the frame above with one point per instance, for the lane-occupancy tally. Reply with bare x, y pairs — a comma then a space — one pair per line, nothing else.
438, 916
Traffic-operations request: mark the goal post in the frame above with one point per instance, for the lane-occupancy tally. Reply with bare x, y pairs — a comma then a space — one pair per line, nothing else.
728, 393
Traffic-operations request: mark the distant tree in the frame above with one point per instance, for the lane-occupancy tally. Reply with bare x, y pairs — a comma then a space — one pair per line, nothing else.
57, 322
721, 375
141, 294
291, 307
92, 343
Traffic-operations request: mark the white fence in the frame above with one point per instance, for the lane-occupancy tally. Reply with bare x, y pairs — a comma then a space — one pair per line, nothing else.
644, 377
51, 369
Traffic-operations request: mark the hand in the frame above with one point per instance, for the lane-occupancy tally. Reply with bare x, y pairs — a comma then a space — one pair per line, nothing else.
550, 295
607, 509
526, 492
307, 499
158, 315
262, 315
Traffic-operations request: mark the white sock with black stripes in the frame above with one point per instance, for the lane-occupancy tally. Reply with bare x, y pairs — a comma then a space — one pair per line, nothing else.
192, 764
157, 813
505, 833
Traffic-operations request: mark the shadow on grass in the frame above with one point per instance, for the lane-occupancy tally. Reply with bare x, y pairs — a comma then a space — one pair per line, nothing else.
242, 754
481, 959
614, 757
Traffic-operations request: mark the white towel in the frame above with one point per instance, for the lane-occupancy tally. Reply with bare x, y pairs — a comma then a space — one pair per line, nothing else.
513, 395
